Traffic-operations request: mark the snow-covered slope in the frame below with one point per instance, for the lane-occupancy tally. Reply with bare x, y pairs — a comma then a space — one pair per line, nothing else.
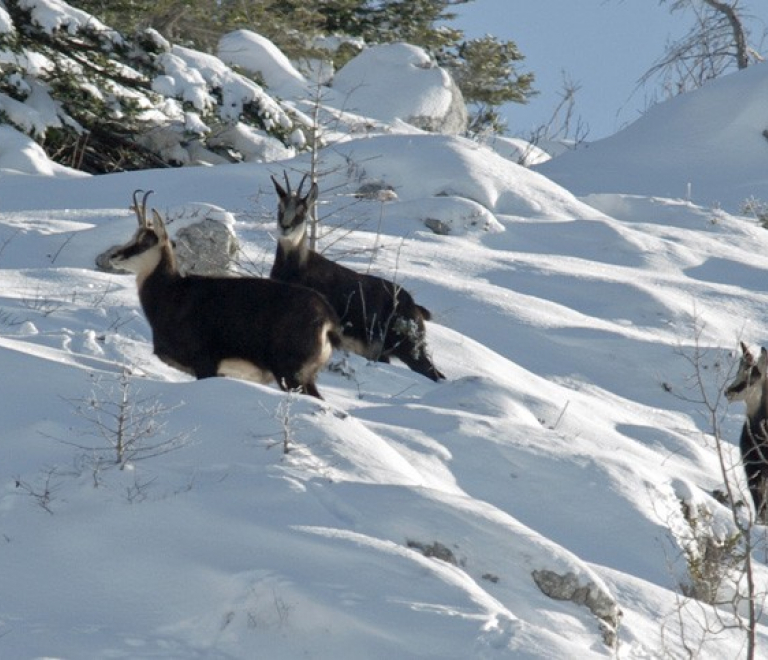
408, 519
708, 145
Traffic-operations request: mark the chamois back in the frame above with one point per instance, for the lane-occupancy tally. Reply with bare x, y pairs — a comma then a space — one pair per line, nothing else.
244, 326
379, 318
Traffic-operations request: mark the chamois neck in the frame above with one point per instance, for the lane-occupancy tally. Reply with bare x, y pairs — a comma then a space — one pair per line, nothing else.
757, 401
164, 264
293, 248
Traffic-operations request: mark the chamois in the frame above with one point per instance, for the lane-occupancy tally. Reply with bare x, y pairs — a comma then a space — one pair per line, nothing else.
246, 327
751, 386
379, 318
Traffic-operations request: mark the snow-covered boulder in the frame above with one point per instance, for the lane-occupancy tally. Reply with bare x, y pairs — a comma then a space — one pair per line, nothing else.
208, 246
518, 150
258, 56
449, 214
400, 81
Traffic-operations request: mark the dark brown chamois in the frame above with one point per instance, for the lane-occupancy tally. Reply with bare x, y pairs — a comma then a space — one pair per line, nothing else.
379, 319
751, 387
246, 327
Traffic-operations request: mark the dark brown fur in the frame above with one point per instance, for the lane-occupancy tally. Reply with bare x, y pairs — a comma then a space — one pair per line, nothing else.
379, 318
198, 322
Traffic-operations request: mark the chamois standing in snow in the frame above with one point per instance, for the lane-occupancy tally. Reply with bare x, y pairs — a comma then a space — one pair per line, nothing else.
379, 318
246, 327
751, 387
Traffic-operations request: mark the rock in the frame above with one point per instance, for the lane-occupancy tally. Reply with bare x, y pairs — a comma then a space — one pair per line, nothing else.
377, 191
205, 248
594, 598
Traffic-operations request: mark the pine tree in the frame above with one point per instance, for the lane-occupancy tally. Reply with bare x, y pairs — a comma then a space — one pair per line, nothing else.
486, 76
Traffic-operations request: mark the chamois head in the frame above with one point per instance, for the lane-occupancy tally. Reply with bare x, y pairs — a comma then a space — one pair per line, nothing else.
750, 377
149, 244
292, 209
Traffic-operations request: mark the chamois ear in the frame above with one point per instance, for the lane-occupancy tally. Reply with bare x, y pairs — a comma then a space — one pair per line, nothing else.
278, 188
748, 357
158, 226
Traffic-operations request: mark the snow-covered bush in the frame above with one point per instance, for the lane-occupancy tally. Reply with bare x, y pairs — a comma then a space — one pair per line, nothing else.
99, 101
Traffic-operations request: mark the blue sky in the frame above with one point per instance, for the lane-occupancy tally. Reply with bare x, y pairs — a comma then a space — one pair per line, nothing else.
603, 45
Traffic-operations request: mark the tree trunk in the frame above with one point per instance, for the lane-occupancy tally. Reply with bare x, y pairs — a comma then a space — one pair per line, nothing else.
739, 38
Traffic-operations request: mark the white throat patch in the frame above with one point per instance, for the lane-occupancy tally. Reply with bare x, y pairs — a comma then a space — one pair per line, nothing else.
293, 237
142, 264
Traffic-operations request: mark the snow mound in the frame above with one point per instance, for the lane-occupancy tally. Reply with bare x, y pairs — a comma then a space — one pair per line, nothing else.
21, 154
708, 146
258, 55
400, 81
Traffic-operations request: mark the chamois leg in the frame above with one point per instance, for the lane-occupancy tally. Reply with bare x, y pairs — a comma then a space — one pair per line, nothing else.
754, 451
311, 389
407, 336
757, 480
200, 368
208, 371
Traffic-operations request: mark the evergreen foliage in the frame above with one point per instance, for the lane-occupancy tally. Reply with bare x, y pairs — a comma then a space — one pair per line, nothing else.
93, 100
100, 108
87, 84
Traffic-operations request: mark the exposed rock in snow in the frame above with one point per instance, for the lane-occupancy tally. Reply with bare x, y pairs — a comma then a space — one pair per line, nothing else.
378, 190
451, 215
206, 247
592, 596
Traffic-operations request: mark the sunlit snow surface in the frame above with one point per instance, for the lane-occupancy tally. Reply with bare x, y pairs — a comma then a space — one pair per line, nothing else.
563, 439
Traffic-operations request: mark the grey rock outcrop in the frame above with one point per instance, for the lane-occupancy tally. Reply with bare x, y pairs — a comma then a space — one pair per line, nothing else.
590, 595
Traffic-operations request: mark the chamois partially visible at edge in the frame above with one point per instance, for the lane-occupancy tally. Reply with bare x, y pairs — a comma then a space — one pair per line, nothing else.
246, 327
379, 319
751, 386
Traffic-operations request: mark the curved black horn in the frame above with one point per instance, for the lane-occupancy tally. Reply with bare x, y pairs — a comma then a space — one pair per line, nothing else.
287, 183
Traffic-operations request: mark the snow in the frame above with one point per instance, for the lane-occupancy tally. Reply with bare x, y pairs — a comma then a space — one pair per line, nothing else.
564, 439
18, 153
52, 15
394, 81
6, 24
686, 147
256, 54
